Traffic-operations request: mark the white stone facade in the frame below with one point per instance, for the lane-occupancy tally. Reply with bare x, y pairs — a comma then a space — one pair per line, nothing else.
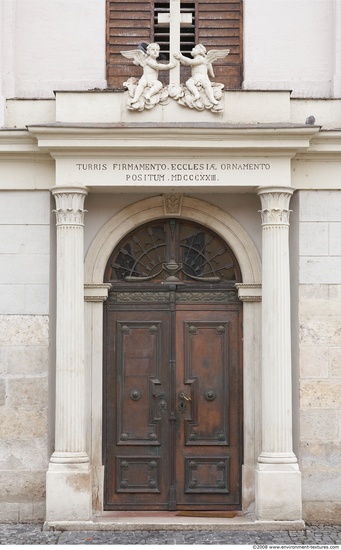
282, 221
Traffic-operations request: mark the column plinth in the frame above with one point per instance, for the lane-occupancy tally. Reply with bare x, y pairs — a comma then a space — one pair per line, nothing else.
68, 478
278, 480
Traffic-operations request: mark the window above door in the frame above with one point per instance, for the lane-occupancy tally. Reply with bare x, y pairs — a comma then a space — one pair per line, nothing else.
217, 24
172, 250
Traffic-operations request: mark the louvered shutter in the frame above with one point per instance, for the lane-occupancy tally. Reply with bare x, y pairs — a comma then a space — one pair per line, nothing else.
218, 25
129, 22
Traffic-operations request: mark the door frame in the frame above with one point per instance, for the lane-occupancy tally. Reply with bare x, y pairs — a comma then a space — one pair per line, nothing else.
249, 292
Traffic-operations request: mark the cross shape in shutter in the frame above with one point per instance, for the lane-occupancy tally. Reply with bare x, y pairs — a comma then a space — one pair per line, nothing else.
174, 19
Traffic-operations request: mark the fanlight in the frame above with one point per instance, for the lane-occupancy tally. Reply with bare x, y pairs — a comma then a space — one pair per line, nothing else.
172, 250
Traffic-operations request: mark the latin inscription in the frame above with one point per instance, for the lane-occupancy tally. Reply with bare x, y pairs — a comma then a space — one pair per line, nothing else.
169, 172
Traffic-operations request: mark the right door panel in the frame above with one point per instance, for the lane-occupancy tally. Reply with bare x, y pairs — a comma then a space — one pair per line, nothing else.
208, 387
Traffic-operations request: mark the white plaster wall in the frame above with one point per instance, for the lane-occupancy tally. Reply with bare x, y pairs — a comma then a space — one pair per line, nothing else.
20, 113
2, 95
59, 45
320, 353
327, 113
24, 344
7, 39
289, 44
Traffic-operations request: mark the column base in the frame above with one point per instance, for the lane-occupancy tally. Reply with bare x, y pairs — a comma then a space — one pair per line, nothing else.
278, 492
68, 490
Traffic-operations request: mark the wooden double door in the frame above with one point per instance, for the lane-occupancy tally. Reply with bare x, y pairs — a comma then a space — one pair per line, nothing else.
173, 400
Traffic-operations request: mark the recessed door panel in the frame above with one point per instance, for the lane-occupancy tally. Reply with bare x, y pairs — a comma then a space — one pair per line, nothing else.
139, 364
203, 355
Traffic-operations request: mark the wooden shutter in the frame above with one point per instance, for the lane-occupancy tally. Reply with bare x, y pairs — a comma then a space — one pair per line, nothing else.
218, 25
129, 22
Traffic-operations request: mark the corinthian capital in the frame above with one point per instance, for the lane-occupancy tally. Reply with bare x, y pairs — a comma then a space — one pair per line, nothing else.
275, 205
69, 205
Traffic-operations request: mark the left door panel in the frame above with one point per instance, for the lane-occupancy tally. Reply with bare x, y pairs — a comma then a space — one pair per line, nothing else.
137, 410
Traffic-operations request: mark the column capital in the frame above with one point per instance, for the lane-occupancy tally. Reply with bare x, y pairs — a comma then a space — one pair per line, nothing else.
275, 205
69, 205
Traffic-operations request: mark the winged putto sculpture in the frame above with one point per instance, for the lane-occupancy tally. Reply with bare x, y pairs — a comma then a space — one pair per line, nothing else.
148, 90
199, 92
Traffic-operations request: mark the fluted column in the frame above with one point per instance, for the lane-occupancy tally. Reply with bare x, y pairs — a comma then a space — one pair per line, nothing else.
278, 494
70, 380
68, 478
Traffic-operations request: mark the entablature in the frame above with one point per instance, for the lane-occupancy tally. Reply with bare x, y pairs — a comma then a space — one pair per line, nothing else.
191, 157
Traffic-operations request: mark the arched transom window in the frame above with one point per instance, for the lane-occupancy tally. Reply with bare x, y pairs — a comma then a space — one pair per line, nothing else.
172, 250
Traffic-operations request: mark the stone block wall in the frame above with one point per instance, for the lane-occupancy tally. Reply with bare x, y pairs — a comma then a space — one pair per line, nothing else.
320, 353
24, 342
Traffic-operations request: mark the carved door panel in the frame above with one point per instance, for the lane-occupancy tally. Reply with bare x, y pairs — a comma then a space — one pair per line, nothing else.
137, 426
208, 387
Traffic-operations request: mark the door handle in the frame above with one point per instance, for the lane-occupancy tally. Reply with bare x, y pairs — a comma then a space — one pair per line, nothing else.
162, 400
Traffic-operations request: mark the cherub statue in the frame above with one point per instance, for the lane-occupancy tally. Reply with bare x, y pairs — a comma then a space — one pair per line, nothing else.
201, 70
148, 85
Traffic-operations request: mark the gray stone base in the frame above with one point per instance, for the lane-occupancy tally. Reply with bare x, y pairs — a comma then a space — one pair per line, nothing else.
68, 492
173, 524
278, 493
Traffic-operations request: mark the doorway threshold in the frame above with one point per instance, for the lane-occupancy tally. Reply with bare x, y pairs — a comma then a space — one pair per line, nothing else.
170, 521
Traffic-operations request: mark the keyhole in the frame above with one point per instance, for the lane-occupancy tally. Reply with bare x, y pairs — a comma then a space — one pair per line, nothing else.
182, 406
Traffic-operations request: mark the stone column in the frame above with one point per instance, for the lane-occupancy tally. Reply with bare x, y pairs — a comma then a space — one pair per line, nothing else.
68, 478
278, 481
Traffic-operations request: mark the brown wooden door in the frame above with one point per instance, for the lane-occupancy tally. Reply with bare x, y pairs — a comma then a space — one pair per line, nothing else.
173, 401
208, 435
137, 423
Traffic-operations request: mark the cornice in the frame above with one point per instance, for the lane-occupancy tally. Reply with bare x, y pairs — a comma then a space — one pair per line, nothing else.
325, 143
14, 142
259, 139
299, 142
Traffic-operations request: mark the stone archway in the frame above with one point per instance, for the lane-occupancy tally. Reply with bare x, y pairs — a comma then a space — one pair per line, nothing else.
249, 292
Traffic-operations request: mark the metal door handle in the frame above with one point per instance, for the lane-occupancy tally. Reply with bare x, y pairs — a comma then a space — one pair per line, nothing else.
161, 395
162, 400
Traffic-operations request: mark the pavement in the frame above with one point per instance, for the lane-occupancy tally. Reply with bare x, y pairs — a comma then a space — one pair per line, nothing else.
327, 536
